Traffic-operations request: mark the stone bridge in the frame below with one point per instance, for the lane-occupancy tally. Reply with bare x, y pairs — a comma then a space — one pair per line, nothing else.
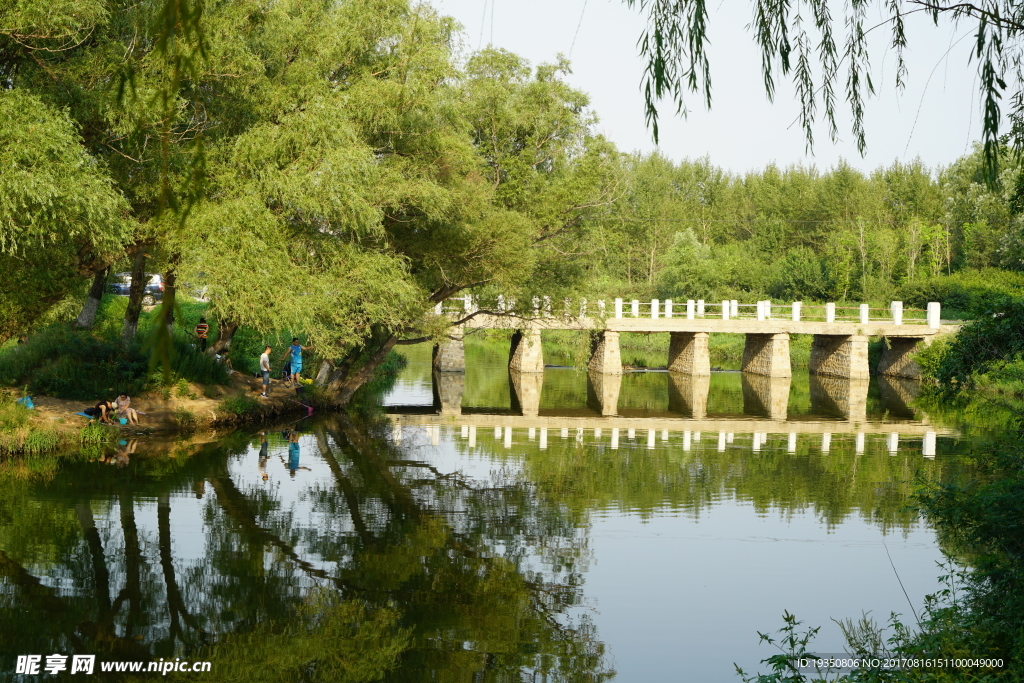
839, 348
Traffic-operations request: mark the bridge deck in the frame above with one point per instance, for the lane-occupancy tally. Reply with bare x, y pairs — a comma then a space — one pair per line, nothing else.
708, 324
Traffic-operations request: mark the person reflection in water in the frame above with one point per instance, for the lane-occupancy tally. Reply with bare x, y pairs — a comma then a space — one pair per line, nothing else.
264, 455
293, 454
124, 450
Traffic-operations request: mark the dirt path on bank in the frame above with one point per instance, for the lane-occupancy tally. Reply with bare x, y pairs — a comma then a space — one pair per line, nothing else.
163, 414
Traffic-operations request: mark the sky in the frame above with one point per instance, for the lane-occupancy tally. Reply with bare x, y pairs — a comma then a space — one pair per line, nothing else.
935, 118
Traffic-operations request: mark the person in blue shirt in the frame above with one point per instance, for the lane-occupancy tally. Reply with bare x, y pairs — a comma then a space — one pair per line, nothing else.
294, 356
293, 454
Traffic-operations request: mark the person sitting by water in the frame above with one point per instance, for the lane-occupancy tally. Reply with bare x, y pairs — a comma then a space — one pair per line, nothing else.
104, 410
124, 409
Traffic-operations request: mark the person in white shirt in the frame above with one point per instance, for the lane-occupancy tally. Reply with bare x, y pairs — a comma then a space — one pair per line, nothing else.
265, 370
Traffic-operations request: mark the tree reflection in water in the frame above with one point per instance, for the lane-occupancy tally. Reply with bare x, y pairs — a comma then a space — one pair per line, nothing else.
408, 573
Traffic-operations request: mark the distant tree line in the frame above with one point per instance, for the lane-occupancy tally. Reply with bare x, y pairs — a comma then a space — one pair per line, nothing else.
694, 230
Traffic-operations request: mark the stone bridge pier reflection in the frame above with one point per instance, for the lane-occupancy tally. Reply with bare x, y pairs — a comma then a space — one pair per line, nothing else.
837, 406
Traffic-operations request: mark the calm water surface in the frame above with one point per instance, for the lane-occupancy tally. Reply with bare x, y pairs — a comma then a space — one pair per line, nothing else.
557, 529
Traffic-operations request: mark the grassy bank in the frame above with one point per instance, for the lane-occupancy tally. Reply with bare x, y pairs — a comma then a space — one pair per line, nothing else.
21, 434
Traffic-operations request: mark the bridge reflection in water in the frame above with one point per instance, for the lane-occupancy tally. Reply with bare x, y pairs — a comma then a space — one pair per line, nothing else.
837, 406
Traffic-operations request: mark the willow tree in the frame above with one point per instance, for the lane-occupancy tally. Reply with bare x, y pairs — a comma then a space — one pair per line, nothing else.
60, 216
803, 42
326, 167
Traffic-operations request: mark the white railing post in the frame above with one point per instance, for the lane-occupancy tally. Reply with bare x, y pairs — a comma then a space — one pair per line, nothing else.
934, 315
437, 309
735, 312
501, 304
865, 314
928, 445
668, 308
618, 308
897, 312
467, 303
600, 308
796, 310
635, 308
536, 306
654, 308
583, 308
689, 309
510, 305
830, 312
760, 310
700, 308
893, 442
547, 307
767, 309
725, 310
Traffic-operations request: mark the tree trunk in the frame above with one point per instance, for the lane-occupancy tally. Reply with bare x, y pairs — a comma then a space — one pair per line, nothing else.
323, 375
225, 333
344, 387
131, 315
87, 316
170, 290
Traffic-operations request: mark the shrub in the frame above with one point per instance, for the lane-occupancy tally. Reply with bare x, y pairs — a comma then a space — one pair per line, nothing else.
183, 390
239, 405
997, 337
78, 364
966, 294
186, 419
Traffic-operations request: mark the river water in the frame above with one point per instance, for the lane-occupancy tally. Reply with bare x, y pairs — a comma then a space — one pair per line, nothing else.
485, 528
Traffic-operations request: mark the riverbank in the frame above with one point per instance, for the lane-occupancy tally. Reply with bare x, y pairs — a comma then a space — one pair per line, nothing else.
55, 423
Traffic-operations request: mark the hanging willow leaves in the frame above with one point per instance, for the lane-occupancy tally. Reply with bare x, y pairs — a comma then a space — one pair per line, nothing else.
674, 46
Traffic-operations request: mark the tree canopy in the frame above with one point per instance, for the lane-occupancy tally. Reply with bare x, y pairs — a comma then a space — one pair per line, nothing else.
324, 167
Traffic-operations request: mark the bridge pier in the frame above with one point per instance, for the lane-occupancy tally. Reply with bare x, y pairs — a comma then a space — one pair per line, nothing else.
605, 358
526, 388
447, 389
526, 354
450, 355
845, 398
766, 396
688, 394
843, 356
896, 360
767, 354
603, 391
688, 353
897, 395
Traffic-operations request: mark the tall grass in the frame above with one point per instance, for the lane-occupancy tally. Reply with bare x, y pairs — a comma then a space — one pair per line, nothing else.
19, 435
88, 365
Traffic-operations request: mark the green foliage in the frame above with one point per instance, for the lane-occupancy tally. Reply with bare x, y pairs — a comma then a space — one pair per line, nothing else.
239, 406
76, 364
12, 415
792, 645
967, 294
186, 419
979, 347
801, 43
692, 230
183, 390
